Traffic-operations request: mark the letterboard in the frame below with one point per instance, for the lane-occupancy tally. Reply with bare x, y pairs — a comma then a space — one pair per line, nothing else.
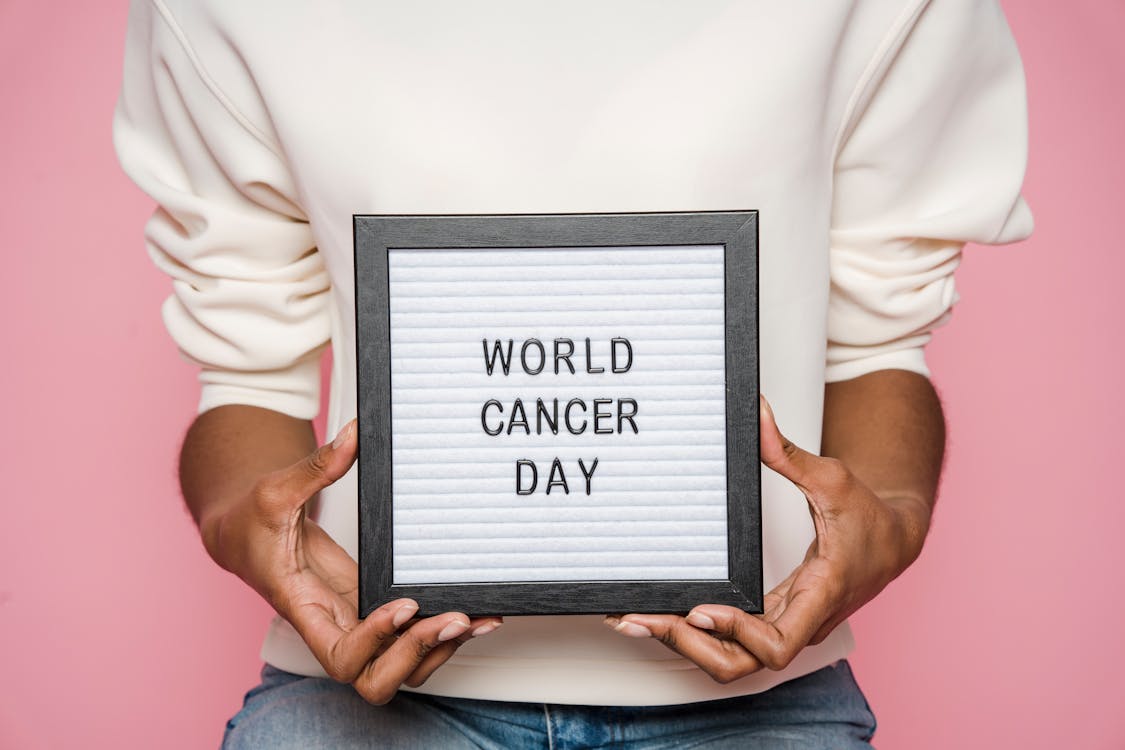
558, 413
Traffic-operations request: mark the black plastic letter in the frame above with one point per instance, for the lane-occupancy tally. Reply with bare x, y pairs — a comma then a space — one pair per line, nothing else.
589, 363
519, 417
588, 474
542, 356
484, 413
497, 351
599, 415
556, 467
564, 356
520, 463
542, 415
613, 354
623, 415
566, 417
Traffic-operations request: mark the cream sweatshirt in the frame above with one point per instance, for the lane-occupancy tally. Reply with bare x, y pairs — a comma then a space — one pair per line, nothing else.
875, 138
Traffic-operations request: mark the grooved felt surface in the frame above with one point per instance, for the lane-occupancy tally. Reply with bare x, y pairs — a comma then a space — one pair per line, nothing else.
654, 506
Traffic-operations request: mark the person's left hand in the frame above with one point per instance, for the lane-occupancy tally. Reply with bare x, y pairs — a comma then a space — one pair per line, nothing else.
862, 543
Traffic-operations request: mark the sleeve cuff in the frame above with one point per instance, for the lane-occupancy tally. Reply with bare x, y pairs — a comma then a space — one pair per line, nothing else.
294, 391
912, 359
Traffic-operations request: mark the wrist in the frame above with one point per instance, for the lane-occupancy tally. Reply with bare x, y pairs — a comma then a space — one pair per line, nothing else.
210, 526
220, 525
912, 516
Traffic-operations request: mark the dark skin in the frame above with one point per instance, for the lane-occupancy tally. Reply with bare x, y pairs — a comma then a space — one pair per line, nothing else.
871, 495
249, 474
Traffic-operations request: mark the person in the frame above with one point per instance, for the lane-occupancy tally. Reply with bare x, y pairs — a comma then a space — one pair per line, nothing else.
875, 138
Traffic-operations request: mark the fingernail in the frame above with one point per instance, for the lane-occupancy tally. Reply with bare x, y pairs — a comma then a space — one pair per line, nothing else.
452, 630
404, 613
765, 405
700, 620
342, 435
487, 628
633, 630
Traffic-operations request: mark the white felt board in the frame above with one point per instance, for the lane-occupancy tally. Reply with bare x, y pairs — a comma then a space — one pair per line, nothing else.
656, 508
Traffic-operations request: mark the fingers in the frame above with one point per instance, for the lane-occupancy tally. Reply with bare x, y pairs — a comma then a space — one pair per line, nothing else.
377, 655
724, 660
381, 678
781, 454
823, 480
294, 485
440, 654
776, 643
345, 647
728, 643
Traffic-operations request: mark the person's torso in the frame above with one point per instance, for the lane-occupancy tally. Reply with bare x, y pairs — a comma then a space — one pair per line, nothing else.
515, 107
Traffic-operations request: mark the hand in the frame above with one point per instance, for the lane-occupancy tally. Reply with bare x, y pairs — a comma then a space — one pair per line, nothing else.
862, 543
269, 541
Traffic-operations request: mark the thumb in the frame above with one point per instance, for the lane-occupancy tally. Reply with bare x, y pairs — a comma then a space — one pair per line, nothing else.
322, 467
781, 454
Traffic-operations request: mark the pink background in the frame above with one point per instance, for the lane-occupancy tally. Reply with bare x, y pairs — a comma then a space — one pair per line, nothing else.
116, 630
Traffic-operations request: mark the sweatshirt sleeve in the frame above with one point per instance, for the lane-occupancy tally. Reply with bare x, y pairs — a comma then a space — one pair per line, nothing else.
932, 157
249, 300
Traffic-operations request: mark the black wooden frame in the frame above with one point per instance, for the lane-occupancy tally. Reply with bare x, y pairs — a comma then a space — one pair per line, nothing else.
737, 231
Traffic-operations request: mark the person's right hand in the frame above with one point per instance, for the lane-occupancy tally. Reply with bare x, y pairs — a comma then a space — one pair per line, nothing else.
269, 541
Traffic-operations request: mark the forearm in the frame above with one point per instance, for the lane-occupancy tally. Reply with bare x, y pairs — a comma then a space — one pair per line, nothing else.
228, 449
887, 427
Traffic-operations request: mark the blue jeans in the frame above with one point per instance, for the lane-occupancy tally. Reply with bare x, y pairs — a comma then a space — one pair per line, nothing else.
825, 709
